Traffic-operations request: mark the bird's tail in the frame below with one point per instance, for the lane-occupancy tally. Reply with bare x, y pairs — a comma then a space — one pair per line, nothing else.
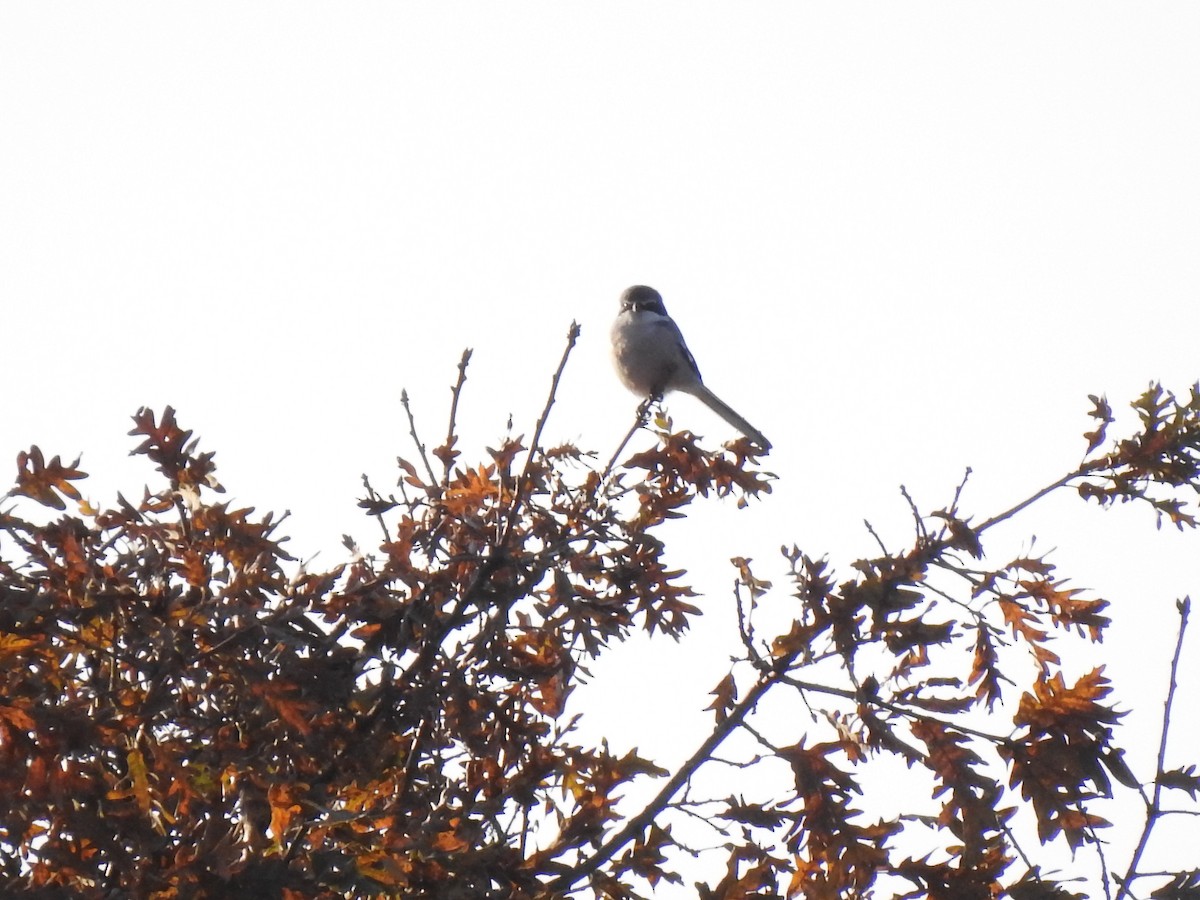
726, 412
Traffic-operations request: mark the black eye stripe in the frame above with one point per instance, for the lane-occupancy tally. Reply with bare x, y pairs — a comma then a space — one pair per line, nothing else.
642, 297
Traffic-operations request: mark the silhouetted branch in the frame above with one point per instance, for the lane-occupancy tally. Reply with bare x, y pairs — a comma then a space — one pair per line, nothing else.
451, 434
412, 430
1154, 808
535, 445
636, 824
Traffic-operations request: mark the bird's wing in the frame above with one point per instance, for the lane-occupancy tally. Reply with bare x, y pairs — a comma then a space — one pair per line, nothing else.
669, 324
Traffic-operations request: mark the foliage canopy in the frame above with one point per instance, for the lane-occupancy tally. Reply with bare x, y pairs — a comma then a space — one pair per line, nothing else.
186, 711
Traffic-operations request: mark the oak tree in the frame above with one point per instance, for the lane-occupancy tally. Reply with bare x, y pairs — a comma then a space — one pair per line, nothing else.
186, 711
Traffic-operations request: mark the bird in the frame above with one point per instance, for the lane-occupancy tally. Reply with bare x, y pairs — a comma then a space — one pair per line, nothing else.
652, 358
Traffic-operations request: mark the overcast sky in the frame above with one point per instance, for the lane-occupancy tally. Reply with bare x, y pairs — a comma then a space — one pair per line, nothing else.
902, 239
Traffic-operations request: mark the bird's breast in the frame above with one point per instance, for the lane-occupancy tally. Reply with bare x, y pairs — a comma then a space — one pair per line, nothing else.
644, 352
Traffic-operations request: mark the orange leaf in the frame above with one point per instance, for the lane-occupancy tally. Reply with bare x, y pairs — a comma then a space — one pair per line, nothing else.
282, 810
449, 842
140, 776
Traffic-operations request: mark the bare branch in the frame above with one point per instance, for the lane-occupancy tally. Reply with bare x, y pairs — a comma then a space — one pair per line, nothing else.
1154, 809
638, 422
636, 824
535, 445
412, 430
455, 394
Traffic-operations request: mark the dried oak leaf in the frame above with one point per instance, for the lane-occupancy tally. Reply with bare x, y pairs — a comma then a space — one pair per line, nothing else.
44, 481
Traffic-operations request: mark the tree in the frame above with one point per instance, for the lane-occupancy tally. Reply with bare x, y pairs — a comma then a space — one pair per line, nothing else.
187, 712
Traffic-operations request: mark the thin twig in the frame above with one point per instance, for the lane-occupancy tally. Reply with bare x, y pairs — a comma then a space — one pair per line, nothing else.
523, 483
1153, 811
638, 422
1012, 840
919, 524
958, 491
746, 628
1030, 500
899, 709
455, 393
1099, 845
412, 430
878, 540
376, 500
757, 735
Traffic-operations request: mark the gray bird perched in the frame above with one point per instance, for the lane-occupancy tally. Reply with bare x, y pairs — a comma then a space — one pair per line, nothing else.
652, 358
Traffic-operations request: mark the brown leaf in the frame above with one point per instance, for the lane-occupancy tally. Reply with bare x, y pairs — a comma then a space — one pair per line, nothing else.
1102, 412
44, 481
724, 697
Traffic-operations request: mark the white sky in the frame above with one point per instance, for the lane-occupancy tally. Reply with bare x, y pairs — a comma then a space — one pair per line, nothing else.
901, 239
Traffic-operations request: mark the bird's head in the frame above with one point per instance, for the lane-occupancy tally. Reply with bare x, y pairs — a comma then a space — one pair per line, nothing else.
640, 297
